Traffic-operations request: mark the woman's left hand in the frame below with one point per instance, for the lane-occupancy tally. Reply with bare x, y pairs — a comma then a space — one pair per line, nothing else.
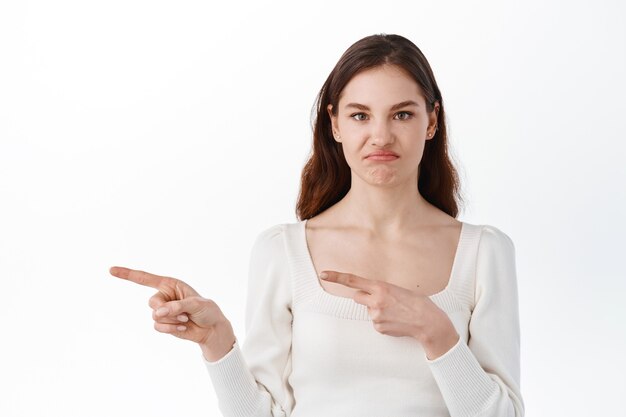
397, 311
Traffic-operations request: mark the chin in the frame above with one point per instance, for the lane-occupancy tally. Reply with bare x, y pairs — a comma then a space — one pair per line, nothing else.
381, 176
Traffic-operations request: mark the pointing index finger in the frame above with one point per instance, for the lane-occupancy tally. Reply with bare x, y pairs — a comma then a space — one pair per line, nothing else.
138, 277
349, 280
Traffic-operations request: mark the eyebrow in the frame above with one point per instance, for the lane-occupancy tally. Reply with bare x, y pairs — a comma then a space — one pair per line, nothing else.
394, 107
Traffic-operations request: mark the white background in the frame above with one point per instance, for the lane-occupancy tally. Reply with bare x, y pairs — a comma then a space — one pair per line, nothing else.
165, 136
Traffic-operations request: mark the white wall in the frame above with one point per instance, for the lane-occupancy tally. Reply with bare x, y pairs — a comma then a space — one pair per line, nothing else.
165, 135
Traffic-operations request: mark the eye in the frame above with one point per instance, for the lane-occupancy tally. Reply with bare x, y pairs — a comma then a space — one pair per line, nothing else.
359, 116
403, 115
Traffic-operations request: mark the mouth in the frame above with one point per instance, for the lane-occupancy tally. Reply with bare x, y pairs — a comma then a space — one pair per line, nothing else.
382, 156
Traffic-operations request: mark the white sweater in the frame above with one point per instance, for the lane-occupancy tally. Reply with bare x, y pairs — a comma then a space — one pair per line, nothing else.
309, 353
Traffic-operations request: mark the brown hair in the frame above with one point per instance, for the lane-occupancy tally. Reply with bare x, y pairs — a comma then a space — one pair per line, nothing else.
326, 175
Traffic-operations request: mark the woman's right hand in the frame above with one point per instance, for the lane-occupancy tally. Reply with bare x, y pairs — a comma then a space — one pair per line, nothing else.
180, 311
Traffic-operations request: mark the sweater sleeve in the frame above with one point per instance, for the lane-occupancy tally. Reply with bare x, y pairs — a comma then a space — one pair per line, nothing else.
252, 380
482, 377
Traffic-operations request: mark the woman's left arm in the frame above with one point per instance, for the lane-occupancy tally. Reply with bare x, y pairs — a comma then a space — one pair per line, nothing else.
478, 378
482, 377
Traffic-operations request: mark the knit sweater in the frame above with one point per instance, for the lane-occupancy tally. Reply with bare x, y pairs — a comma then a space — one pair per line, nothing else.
309, 353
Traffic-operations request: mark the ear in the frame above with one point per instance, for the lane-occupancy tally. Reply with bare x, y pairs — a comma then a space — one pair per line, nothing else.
432, 121
333, 123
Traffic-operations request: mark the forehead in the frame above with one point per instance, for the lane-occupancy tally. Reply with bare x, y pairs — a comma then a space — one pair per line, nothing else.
381, 86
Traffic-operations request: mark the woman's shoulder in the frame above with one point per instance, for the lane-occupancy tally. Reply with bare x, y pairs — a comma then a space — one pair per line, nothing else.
489, 232
274, 236
490, 242
276, 229
270, 232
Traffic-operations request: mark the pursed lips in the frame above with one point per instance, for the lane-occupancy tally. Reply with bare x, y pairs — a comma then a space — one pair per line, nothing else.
382, 156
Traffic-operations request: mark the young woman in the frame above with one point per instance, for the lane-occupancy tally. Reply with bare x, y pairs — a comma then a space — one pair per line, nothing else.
414, 313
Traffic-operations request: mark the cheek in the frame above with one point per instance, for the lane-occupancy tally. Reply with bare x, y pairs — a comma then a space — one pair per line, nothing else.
350, 130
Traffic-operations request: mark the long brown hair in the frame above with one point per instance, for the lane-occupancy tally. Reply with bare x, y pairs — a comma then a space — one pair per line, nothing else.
326, 176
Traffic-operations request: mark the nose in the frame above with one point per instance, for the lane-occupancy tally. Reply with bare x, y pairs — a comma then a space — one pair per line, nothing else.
381, 134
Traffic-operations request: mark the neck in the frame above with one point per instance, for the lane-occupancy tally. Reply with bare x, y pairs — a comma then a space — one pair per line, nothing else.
384, 209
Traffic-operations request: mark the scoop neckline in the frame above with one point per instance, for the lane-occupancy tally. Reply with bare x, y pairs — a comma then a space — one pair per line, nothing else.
332, 297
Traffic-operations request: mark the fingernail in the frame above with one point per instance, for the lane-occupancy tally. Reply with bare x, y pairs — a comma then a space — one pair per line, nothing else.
181, 328
162, 311
183, 318
323, 275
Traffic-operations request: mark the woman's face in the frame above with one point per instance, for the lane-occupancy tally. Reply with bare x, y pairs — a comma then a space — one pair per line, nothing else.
383, 109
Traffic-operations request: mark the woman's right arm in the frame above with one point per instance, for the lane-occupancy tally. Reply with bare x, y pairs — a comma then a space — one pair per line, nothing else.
256, 386
252, 380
